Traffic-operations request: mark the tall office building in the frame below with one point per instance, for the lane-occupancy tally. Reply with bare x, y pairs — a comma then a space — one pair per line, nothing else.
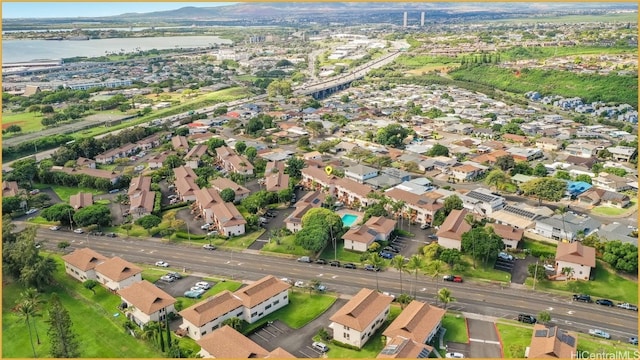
422, 19
404, 23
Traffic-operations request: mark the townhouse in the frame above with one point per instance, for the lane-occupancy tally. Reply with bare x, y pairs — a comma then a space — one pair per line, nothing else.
312, 199
402, 348
228, 219
353, 194
110, 156
10, 188
451, 230
205, 199
359, 238
315, 178
224, 183
81, 200
206, 316
156, 161
145, 302
510, 236
551, 342
418, 321
275, 177
87, 163
194, 156
579, 258
81, 264
228, 343
141, 198
185, 182
117, 273
150, 142
360, 317
360, 173
180, 143
263, 297
111, 176
421, 208
230, 161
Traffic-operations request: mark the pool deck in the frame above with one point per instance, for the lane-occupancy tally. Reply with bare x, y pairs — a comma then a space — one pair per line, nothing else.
359, 215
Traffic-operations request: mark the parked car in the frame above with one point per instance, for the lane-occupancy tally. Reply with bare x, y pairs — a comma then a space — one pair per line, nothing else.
205, 226
633, 340
454, 355
304, 259
209, 247
321, 287
299, 284
167, 278
504, 256
425, 226
605, 302
96, 233
194, 294
391, 249
31, 211
582, 297
599, 333
34, 192
370, 267
111, 235
628, 306
321, 261
386, 255
175, 275
432, 237
162, 264
320, 346
212, 233
349, 266
55, 228
527, 319
452, 278
78, 231
386, 293
334, 263
203, 285
549, 267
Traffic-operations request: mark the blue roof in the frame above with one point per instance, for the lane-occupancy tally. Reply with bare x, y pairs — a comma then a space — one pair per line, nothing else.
577, 187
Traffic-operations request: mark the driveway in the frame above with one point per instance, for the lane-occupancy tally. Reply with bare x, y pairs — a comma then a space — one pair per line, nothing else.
484, 341
297, 342
178, 287
520, 270
273, 224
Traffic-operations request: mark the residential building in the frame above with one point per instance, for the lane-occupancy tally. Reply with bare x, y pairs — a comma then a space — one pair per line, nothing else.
359, 238
193, 157
117, 273
622, 153
206, 316
224, 183
139, 183
525, 154
611, 182
555, 228
81, 263
482, 201
312, 199
617, 231
313, 155
87, 163
450, 232
596, 196
156, 161
360, 317
466, 172
10, 188
510, 236
548, 144
402, 348
382, 226
360, 173
228, 219
581, 259
141, 203
263, 297
230, 161
418, 321
228, 343
520, 179
110, 156
551, 342
275, 178
180, 143
81, 200
421, 208
112, 176
205, 199
151, 142
519, 217
353, 194
185, 182
581, 149
315, 178
146, 302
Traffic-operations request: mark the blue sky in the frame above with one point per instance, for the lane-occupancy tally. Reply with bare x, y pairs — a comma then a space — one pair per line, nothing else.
90, 9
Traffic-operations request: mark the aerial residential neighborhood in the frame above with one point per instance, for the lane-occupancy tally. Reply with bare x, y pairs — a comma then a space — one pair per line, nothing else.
379, 180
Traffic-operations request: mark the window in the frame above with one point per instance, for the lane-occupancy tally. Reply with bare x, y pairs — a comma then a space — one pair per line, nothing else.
267, 307
347, 336
276, 302
204, 332
239, 314
253, 314
285, 296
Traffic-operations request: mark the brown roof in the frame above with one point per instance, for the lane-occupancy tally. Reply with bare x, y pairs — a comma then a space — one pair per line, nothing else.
207, 197
118, 269
513, 137
261, 290
465, 168
381, 224
84, 161
354, 187
9, 188
361, 234
362, 309
139, 183
142, 200
98, 173
276, 182
224, 183
185, 180
146, 297
403, 348
179, 142
576, 253
415, 322
507, 232
84, 259
280, 353
227, 214
211, 308
227, 343
551, 342
274, 167
81, 200
161, 157
424, 201
454, 225
196, 152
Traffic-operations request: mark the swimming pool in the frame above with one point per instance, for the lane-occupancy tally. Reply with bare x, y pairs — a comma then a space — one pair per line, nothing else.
348, 219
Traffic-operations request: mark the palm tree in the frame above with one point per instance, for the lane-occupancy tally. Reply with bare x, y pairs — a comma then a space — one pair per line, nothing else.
398, 263
567, 271
436, 269
416, 262
404, 299
471, 221
25, 310
313, 284
397, 207
378, 262
32, 296
444, 295
562, 210
235, 322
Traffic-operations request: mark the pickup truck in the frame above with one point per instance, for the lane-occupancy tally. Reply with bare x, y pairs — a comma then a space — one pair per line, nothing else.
599, 333
628, 306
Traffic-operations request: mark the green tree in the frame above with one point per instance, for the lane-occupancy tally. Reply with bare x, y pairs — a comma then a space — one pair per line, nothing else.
450, 256
90, 284
538, 274
62, 245
32, 297
482, 243
392, 135
173, 161
235, 322
445, 297
521, 167
437, 267
540, 170
584, 178
376, 261
94, 214
622, 256
512, 128
60, 212
496, 178
562, 174
26, 311
228, 195
64, 342
241, 146
148, 222
303, 142
398, 263
251, 153
294, 167
415, 264
438, 150
404, 299
544, 317
546, 188
452, 202
215, 143
505, 162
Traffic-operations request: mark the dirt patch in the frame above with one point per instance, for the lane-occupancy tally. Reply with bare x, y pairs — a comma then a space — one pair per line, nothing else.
19, 123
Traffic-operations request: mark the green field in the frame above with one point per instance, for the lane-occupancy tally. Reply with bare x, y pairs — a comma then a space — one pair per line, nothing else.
515, 339
614, 211
456, 326
65, 192
29, 122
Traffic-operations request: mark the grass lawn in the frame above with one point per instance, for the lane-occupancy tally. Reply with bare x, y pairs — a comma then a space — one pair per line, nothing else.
41, 221
483, 271
343, 255
456, 326
614, 211
65, 192
86, 310
286, 246
219, 287
595, 345
29, 122
607, 284
536, 247
515, 339
239, 242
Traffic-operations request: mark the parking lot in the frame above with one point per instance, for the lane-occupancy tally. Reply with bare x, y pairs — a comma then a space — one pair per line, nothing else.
179, 286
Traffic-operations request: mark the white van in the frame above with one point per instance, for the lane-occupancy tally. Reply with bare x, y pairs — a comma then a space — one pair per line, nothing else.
320, 346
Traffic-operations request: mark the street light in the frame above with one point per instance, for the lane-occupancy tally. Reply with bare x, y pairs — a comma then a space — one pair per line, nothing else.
535, 274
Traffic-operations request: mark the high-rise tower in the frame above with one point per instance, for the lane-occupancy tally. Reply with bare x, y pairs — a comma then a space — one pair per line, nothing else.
422, 18
404, 23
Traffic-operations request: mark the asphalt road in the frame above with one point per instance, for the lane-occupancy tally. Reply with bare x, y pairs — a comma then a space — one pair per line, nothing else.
479, 298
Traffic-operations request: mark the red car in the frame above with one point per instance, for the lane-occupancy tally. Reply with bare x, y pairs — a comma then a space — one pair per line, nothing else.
453, 278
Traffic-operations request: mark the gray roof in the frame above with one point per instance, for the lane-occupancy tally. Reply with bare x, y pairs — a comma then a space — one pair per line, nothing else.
382, 181
616, 231
572, 223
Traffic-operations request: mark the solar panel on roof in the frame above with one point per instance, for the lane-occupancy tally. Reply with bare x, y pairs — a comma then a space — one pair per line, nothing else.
315, 201
390, 349
541, 333
480, 196
552, 331
520, 212
424, 353
566, 338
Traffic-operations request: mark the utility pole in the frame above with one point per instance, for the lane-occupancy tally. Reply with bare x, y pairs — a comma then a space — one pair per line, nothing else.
70, 220
535, 275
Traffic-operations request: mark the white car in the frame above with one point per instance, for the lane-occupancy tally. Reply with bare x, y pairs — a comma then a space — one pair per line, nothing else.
162, 263
55, 228
299, 284
205, 226
549, 267
31, 211
78, 231
203, 285
454, 355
